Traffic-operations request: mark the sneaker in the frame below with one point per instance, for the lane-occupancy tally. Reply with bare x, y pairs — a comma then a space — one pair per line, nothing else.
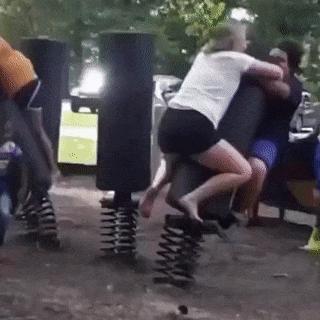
313, 242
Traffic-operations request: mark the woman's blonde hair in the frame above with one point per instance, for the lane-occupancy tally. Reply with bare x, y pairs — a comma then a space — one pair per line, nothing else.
223, 38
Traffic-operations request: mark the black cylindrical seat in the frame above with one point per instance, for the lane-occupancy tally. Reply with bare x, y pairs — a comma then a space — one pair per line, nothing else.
238, 127
124, 125
50, 59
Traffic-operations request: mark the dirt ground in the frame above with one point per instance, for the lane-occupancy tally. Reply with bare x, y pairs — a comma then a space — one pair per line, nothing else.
261, 275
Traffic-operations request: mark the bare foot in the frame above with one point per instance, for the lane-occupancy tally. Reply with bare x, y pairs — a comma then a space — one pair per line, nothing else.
146, 202
191, 208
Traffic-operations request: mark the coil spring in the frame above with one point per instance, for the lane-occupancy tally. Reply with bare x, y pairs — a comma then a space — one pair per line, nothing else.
47, 219
29, 216
119, 231
179, 255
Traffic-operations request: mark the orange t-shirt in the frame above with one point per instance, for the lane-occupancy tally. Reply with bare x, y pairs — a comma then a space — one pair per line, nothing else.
15, 69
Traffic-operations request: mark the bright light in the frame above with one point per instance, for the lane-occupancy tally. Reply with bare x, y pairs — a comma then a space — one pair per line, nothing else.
75, 91
93, 80
241, 14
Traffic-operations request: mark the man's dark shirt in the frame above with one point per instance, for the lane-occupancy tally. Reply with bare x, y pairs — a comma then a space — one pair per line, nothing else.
280, 111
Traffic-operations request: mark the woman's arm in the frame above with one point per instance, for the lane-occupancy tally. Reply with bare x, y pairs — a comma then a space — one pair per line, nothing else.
276, 88
290, 92
266, 70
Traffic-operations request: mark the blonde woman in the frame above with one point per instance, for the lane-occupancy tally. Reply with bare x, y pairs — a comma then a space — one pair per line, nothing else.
189, 125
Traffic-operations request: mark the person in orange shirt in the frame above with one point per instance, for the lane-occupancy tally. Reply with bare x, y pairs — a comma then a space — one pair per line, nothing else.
20, 83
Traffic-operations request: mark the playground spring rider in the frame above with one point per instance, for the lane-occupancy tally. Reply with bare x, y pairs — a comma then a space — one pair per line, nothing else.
50, 60
181, 238
124, 134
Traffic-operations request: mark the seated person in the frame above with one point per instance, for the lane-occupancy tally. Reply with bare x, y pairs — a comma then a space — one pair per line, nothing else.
189, 126
272, 139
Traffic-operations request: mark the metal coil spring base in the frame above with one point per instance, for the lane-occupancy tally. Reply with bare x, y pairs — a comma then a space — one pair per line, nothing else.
29, 217
179, 252
119, 227
47, 219
40, 220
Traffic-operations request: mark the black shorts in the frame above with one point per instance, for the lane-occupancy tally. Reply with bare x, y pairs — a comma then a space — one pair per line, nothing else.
26, 95
186, 132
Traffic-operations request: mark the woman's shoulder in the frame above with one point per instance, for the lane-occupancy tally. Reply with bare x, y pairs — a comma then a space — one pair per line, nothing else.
231, 54
238, 54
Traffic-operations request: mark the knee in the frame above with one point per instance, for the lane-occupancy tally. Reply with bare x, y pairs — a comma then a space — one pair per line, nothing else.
259, 168
246, 172
259, 173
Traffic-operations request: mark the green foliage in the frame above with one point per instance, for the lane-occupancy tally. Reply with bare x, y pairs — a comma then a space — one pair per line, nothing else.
72, 20
276, 19
75, 20
199, 16
180, 26
187, 24
299, 20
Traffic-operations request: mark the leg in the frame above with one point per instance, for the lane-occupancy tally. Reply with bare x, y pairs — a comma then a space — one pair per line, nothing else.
282, 213
24, 138
162, 177
314, 240
316, 170
317, 221
235, 171
46, 145
256, 209
264, 156
32, 113
250, 192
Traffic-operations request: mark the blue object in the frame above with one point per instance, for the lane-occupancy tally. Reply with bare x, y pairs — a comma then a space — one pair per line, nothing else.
5, 214
8, 152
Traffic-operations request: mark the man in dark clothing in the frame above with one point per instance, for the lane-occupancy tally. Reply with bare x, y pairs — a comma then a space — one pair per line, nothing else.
272, 137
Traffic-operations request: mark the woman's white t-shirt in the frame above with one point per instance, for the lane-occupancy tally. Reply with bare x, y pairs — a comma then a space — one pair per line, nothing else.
211, 83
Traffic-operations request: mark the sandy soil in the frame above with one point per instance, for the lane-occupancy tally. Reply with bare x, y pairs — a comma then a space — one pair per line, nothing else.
261, 275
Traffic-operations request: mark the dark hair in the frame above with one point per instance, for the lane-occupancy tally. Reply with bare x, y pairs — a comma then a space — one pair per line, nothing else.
294, 50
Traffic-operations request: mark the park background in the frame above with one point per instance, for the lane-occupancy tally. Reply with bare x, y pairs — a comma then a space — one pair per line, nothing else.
180, 28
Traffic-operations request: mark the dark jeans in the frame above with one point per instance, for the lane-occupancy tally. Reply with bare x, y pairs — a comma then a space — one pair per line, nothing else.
30, 143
